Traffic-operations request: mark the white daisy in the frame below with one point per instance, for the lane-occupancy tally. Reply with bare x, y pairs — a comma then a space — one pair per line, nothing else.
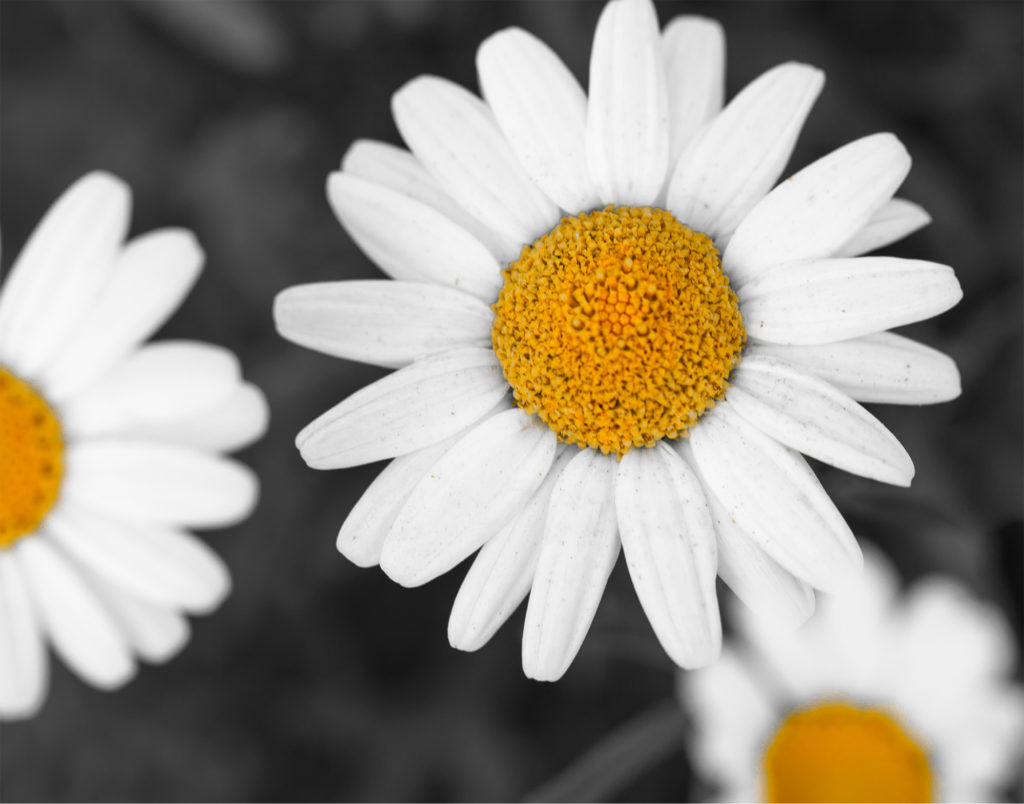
880, 697
608, 258
109, 449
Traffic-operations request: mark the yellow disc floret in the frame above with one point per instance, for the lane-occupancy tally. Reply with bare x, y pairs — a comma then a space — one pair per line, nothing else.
31, 462
618, 328
838, 752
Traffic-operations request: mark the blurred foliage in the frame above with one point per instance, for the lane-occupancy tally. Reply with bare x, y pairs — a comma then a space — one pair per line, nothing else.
321, 681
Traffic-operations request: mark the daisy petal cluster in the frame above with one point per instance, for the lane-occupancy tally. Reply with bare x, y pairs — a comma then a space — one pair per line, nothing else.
867, 702
110, 449
614, 328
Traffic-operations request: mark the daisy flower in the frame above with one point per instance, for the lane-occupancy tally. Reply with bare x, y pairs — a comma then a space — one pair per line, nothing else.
578, 282
882, 696
109, 449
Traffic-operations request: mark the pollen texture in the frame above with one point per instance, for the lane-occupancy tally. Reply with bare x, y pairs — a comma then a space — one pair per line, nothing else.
618, 328
839, 752
31, 463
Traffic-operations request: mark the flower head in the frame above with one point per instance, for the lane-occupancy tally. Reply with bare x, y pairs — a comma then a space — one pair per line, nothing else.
867, 702
610, 330
109, 449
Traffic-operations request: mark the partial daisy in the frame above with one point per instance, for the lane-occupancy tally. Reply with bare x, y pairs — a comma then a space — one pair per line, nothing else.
575, 281
110, 449
883, 696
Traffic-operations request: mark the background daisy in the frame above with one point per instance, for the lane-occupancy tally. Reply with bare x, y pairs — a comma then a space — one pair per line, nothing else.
109, 449
329, 664
906, 695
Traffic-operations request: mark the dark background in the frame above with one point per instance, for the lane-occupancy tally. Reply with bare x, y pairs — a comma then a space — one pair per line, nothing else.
321, 681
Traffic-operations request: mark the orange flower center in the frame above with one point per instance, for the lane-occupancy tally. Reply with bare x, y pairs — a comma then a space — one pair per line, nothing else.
838, 752
618, 328
31, 452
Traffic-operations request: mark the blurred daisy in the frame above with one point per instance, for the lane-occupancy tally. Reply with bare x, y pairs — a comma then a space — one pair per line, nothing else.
880, 697
109, 449
609, 258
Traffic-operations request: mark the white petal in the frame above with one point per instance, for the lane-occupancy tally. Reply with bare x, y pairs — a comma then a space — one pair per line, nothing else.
470, 494
454, 135
161, 381
882, 367
61, 270
385, 323
821, 301
397, 169
813, 213
150, 278
578, 552
774, 495
155, 482
502, 572
542, 111
232, 424
165, 567
24, 670
669, 543
362, 535
409, 240
694, 49
894, 221
808, 414
771, 592
732, 716
413, 408
81, 629
732, 163
627, 118
155, 633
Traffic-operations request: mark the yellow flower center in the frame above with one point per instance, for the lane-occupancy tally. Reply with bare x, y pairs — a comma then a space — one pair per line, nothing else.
838, 752
618, 328
31, 464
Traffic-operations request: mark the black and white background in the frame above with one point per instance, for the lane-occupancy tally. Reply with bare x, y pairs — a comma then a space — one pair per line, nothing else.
321, 681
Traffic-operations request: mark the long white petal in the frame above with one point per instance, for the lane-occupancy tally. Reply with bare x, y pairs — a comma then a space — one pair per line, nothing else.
232, 424
155, 482
166, 567
813, 213
694, 49
59, 273
669, 542
149, 280
771, 592
734, 161
774, 495
469, 495
362, 535
413, 408
155, 633
502, 572
894, 221
411, 241
24, 669
454, 135
385, 323
821, 301
578, 552
161, 381
397, 169
80, 627
808, 414
627, 117
882, 367
542, 111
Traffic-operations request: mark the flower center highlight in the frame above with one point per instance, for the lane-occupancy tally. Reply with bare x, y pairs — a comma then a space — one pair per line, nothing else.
618, 328
838, 752
31, 465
